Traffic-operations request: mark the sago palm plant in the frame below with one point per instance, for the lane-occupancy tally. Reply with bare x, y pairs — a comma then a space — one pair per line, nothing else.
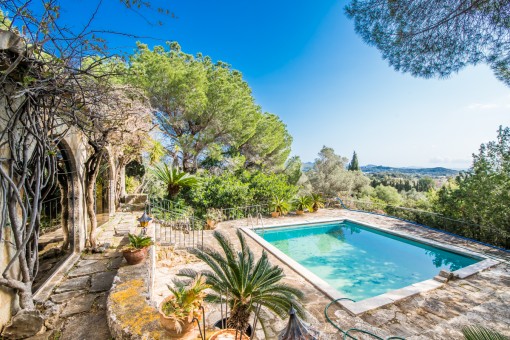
303, 202
478, 332
317, 202
248, 283
173, 178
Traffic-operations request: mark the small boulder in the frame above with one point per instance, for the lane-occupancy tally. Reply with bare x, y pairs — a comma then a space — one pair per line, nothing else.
24, 324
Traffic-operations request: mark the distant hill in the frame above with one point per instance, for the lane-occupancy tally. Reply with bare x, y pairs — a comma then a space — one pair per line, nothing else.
432, 172
307, 166
377, 169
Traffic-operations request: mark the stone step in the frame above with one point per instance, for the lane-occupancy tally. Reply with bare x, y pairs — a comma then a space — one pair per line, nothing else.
441, 279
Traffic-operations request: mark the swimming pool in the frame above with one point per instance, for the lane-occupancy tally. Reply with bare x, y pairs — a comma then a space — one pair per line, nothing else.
359, 261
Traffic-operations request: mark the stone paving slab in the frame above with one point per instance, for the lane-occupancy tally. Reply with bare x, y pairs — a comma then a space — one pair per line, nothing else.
73, 284
88, 269
90, 326
78, 304
102, 281
63, 297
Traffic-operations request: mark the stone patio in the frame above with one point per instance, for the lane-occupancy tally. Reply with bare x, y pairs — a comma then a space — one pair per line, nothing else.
76, 310
437, 314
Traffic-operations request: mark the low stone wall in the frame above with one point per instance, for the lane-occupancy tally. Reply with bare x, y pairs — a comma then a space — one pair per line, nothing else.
130, 312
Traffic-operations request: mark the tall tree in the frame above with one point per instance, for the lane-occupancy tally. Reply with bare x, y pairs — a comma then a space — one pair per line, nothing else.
330, 177
429, 38
353, 165
121, 123
482, 194
207, 110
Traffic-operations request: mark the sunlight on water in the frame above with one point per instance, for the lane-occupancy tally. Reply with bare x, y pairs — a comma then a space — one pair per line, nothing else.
362, 262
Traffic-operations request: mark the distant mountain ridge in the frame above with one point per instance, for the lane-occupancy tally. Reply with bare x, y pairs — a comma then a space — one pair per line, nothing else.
433, 172
375, 169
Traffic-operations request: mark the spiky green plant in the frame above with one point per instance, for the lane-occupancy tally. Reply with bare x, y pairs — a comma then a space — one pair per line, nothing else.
303, 202
317, 202
173, 178
138, 241
280, 205
477, 332
186, 301
248, 283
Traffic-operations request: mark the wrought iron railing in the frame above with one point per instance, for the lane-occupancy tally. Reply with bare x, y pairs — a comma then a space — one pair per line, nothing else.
50, 216
249, 211
176, 224
488, 235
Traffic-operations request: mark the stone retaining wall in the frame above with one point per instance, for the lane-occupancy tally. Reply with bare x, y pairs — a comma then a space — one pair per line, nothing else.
129, 310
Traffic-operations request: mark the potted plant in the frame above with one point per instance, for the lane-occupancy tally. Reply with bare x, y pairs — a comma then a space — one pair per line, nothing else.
213, 216
245, 279
301, 203
279, 206
178, 310
136, 251
317, 202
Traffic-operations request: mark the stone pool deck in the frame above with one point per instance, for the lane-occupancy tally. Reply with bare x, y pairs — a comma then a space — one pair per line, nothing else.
437, 314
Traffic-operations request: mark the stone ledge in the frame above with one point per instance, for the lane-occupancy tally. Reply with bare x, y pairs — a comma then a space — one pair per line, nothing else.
129, 311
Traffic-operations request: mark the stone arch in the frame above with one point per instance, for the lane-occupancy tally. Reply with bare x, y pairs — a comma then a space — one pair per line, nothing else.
105, 188
74, 146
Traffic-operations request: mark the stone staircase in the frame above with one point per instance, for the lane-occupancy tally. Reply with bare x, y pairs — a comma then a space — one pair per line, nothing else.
134, 202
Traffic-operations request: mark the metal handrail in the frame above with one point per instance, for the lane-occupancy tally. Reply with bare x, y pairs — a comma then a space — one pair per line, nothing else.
242, 211
500, 232
177, 219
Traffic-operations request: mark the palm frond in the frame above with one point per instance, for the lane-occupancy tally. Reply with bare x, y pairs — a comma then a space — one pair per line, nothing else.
477, 332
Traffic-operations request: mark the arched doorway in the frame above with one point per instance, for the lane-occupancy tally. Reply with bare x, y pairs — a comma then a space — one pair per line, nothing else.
58, 216
103, 192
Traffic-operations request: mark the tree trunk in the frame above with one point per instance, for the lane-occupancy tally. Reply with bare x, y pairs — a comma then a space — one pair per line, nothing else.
64, 201
91, 183
92, 165
26, 300
239, 317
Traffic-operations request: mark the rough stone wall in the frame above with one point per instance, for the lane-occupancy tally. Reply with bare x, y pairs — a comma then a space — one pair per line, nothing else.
8, 298
75, 145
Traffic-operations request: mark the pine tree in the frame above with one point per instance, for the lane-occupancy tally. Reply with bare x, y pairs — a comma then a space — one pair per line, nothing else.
353, 165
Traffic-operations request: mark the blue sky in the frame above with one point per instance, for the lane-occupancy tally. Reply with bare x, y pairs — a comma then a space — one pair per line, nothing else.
306, 64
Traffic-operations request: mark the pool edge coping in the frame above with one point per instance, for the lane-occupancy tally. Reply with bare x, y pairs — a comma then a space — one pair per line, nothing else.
360, 307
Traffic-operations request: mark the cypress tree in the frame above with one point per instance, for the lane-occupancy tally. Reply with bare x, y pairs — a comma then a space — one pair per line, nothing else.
353, 165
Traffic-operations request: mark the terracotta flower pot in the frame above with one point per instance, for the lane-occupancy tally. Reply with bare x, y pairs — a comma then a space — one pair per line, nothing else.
275, 214
187, 329
136, 256
227, 334
300, 212
211, 224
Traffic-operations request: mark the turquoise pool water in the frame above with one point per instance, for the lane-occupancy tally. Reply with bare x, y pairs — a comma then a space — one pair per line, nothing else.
359, 261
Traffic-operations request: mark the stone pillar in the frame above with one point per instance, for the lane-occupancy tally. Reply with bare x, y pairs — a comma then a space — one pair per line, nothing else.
76, 146
123, 192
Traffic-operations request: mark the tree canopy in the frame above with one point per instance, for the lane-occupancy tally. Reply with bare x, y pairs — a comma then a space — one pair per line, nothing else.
207, 110
429, 38
482, 194
330, 177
